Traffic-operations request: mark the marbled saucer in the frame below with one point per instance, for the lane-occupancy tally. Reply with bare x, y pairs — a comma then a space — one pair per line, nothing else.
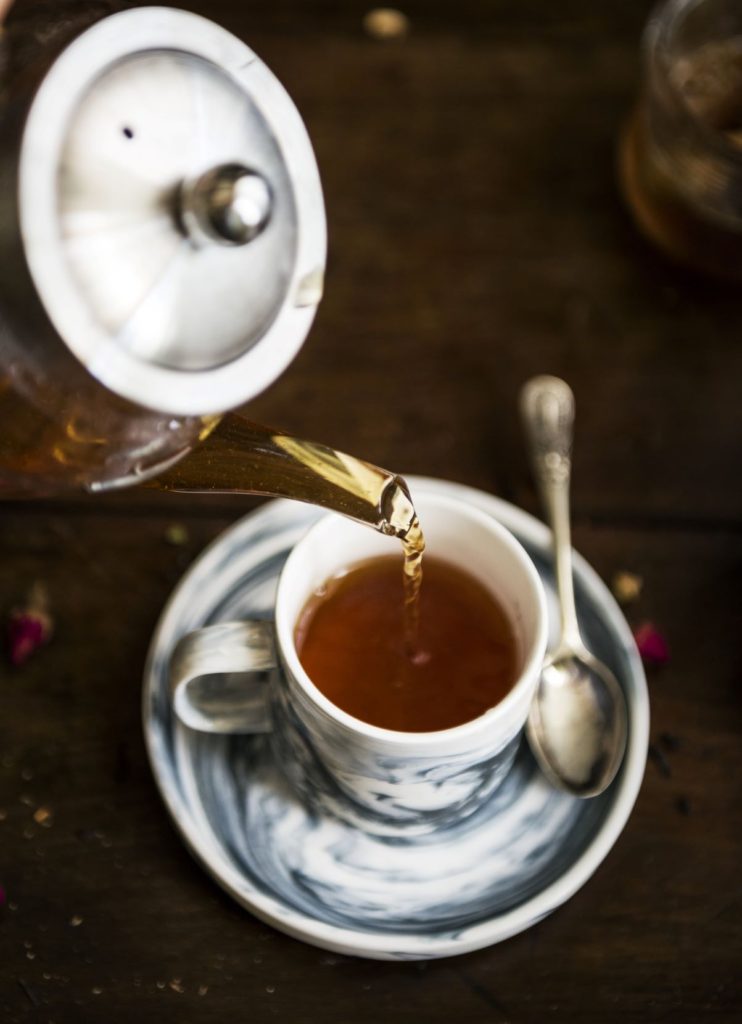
521, 856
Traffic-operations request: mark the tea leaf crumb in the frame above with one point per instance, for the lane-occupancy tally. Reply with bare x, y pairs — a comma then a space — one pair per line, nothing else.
386, 23
177, 535
627, 587
670, 742
43, 816
659, 759
28, 992
683, 806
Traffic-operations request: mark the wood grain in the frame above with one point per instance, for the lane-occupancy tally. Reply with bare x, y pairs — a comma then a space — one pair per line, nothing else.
476, 237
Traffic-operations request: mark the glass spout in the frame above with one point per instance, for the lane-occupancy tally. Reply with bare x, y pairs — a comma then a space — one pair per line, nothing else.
241, 457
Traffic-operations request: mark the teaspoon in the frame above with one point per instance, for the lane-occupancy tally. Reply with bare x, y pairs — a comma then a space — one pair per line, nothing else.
577, 722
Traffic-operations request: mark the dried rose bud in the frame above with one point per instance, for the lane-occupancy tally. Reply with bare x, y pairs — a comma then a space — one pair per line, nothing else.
627, 587
29, 627
652, 644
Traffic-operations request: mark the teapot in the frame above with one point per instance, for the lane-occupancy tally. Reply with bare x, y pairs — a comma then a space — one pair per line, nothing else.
162, 240
162, 254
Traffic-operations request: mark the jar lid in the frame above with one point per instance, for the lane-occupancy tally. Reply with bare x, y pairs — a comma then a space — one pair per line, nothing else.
171, 211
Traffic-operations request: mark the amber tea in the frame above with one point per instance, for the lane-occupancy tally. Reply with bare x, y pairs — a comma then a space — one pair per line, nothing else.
353, 643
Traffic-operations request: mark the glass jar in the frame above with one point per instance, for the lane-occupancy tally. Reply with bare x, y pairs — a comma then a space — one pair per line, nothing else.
681, 151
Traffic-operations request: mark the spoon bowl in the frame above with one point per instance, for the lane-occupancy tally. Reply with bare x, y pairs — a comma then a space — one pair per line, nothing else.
577, 723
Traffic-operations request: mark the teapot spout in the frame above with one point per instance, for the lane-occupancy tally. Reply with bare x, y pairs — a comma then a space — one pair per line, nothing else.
242, 457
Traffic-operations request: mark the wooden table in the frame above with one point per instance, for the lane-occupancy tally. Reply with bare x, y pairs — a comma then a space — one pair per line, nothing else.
477, 238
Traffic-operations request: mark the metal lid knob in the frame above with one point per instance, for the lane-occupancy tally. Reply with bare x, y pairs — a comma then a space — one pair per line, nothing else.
230, 204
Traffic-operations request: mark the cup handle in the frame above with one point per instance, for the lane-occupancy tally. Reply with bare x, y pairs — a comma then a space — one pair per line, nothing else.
214, 685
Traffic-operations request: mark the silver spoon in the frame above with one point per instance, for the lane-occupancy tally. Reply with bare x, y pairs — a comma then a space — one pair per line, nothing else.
577, 723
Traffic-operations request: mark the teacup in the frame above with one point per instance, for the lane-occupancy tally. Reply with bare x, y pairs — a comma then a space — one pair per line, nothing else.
385, 781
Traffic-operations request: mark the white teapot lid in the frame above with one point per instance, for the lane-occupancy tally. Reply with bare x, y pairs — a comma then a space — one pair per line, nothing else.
171, 211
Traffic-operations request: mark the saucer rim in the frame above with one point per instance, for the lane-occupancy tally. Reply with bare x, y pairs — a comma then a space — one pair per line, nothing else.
406, 945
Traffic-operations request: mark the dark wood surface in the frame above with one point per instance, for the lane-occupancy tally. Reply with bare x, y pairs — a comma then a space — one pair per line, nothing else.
476, 237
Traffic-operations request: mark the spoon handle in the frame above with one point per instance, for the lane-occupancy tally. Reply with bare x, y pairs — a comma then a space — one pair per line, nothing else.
548, 410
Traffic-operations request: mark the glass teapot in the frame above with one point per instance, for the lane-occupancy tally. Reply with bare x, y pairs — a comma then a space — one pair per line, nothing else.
162, 239
162, 252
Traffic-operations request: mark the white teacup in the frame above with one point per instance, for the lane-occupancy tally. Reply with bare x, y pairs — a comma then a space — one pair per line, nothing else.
386, 781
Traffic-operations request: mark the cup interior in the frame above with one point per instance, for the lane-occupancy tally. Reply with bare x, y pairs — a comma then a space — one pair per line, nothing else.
454, 532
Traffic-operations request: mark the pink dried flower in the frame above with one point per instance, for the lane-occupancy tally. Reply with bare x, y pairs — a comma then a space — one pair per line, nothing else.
652, 644
29, 627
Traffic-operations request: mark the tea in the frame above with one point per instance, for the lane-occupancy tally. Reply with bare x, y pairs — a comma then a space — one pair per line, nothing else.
351, 640
413, 549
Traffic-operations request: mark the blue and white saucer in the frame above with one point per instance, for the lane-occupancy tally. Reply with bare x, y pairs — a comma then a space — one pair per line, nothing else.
520, 857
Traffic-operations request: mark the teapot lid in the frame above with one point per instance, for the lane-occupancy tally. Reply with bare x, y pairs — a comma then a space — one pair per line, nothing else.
171, 211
